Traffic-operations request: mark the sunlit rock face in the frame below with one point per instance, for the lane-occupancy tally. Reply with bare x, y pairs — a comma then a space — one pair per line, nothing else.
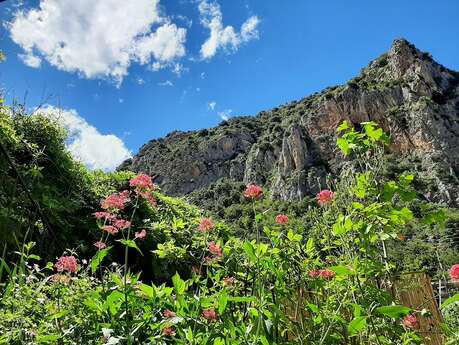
291, 149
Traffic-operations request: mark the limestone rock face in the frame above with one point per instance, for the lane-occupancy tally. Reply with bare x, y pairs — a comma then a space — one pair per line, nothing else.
291, 149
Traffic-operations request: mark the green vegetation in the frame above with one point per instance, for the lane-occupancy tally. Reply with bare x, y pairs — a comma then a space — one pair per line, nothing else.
95, 258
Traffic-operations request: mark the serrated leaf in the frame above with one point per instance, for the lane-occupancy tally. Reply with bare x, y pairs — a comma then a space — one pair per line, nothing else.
98, 258
357, 325
450, 300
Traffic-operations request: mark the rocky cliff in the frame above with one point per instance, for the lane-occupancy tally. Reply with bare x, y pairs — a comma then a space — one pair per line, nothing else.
291, 149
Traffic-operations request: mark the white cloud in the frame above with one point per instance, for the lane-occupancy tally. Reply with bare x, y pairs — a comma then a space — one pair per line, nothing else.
166, 83
86, 143
225, 114
97, 38
140, 81
220, 36
203, 75
211, 105
120, 100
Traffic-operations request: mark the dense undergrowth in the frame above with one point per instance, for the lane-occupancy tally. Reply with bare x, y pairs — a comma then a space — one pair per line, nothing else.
95, 258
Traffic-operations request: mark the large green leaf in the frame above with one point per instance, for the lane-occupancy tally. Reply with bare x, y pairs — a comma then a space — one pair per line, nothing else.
394, 311
357, 325
97, 259
179, 284
450, 300
131, 244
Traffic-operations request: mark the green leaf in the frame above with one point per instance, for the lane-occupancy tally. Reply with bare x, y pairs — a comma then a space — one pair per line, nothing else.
263, 340
222, 302
450, 300
394, 311
45, 339
131, 244
98, 258
179, 284
343, 126
249, 250
242, 299
357, 325
342, 270
343, 145
310, 245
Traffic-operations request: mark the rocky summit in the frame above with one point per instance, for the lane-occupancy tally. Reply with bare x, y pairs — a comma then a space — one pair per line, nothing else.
291, 149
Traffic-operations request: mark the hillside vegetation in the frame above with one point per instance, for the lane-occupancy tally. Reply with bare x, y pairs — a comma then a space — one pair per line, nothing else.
96, 258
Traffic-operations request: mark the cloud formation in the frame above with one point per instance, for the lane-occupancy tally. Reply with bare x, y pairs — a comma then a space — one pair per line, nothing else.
86, 143
97, 38
223, 37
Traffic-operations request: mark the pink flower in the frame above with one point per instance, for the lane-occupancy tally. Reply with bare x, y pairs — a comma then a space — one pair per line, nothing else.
281, 219
100, 245
168, 332
253, 191
140, 234
322, 273
111, 229
229, 281
141, 182
215, 249
122, 224
324, 197
209, 314
66, 263
149, 197
411, 321
168, 313
206, 224
454, 272
326, 273
208, 260
313, 273
116, 201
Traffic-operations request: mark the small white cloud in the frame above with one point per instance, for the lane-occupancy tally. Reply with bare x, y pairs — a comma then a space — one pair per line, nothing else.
198, 89
120, 100
166, 83
223, 37
225, 114
140, 81
99, 38
86, 143
211, 105
179, 69
203, 75
30, 60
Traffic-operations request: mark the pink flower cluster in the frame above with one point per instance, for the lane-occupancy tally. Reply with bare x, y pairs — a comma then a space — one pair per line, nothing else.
322, 273
168, 314
253, 191
168, 331
209, 314
454, 274
66, 263
229, 281
325, 196
116, 201
281, 219
215, 249
142, 182
411, 321
100, 245
140, 234
206, 225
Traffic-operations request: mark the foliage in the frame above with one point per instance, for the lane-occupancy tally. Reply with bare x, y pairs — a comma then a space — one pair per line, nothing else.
283, 282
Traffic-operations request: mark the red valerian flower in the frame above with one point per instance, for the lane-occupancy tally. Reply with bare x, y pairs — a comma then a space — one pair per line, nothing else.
105, 215
66, 263
411, 321
322, 273
111, 229
122, 224
209, 314
253, 191
100, 245
324, 197
168, 313
229, 281
281, 219
116, 201
326, 273
149, 197
168, 332
206, 224
140, 234
454, 274
215, 249
141, 182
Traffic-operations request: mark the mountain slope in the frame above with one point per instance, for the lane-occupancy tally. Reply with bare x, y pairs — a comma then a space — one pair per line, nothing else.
291, 149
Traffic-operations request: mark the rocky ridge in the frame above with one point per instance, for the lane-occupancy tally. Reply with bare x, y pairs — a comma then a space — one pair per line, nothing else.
291, 149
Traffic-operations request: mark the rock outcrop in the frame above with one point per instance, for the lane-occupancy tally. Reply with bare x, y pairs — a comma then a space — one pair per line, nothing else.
291, 149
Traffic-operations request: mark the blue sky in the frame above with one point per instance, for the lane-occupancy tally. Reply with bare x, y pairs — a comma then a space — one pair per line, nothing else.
262, 54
